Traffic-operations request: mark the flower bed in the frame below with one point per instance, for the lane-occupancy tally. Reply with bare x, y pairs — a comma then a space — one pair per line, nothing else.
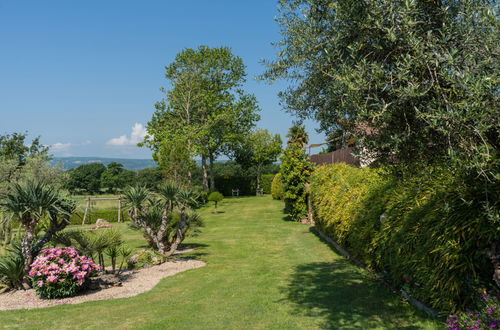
61, 272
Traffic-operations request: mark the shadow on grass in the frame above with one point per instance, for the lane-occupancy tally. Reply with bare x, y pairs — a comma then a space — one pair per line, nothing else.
345, 298
197, 254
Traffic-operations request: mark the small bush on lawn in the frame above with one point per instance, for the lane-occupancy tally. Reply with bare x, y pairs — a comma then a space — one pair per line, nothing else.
61, 272
266, 181
277, 187
215, 197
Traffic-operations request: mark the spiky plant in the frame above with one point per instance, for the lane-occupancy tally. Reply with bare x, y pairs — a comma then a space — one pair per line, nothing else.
12, 266
28, 203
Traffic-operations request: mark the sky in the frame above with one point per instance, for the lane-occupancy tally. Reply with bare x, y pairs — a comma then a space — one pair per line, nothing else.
84, 75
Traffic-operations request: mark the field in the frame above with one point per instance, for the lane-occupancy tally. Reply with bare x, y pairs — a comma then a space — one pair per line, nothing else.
263, 272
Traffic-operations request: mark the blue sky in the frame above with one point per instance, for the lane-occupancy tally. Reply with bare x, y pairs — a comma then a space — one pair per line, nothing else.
85, 74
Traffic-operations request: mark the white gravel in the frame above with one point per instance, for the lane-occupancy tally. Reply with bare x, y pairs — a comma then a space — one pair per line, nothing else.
134, 283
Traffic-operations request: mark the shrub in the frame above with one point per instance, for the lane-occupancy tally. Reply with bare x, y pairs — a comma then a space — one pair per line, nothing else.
225, 185
277, 187
145, 258
59, 273
426, 233
295, 170
266, 182
12, 266
215, 197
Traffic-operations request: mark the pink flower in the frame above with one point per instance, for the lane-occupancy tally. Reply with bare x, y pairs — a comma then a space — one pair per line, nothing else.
39, 283
52, 279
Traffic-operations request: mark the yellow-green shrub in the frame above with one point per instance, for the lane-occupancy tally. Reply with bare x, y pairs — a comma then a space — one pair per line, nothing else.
427, 232
277, 187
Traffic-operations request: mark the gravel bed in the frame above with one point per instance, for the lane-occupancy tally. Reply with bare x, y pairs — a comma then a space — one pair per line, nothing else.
134, 283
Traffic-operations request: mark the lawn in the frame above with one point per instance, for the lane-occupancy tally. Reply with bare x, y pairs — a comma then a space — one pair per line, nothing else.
262, 272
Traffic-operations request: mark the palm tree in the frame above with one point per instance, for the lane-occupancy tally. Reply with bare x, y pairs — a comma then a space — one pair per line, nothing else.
165, 218
28, 203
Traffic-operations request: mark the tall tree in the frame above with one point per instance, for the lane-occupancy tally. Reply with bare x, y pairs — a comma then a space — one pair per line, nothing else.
258, 149
86, 177
205, 109
13, 147
415, 81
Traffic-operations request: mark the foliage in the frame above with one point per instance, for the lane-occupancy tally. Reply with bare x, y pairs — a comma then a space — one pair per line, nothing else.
29, 203
13, 147
150, 177
258, 149
12, 266
426, 233
116, 177
266, 182
166, 217
94, 243
86, 177
60, 273
215, 197
295, 170
415, 81
145, 258
277, 187
204, 112
487, 316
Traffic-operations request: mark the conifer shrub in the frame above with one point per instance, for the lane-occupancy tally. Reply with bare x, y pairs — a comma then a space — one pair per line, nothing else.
277, 187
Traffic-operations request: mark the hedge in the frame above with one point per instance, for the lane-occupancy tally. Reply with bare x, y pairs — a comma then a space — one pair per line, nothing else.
426, 234
110, 215
246, 185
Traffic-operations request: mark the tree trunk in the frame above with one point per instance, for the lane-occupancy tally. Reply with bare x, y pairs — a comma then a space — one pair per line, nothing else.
204, 169
179, 236
212, 174
26, 246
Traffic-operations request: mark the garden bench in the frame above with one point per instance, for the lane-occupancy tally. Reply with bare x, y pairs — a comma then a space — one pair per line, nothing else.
235, 192
259, 192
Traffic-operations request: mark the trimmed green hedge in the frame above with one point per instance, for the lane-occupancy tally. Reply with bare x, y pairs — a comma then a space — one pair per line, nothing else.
246, 185
110, 215
427, 233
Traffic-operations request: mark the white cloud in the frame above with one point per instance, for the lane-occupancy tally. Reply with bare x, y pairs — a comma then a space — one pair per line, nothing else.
60, 147
87, 142
137, 135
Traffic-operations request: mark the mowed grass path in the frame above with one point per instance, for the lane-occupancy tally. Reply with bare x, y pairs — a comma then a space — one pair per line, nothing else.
262, 272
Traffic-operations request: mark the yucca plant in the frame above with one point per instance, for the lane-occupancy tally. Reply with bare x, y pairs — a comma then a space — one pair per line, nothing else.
164, 217
12, 267
29, 203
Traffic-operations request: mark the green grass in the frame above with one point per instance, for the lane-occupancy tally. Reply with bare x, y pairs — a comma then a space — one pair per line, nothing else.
262, 272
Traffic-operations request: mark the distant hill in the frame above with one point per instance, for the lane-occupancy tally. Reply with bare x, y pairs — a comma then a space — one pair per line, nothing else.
129, 164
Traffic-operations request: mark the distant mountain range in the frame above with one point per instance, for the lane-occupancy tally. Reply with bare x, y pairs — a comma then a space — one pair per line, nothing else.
129, 164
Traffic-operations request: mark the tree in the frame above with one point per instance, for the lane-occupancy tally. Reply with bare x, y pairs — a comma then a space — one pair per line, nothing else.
295, 170
149, 177
258, 149
215, 197
86, 177
203, 112
166, 219
12, 147
116, 177
416, 82
29, 203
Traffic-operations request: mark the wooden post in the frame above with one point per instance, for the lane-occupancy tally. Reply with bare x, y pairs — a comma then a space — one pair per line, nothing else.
87, 207
119, 210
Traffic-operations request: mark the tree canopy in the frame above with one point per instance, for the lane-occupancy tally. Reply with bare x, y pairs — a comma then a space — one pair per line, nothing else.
415, 81
205, 110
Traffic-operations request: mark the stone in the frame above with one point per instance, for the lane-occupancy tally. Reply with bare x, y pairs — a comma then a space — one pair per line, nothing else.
101, 223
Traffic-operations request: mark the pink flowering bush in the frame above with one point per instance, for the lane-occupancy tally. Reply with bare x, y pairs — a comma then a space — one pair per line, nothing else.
60, 272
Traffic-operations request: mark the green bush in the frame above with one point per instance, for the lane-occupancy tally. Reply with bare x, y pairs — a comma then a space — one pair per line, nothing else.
266, 182
110, 215
427, 233
277, 187
215, 197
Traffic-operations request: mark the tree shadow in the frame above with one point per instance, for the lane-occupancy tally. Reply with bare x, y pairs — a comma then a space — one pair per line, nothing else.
346, 298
